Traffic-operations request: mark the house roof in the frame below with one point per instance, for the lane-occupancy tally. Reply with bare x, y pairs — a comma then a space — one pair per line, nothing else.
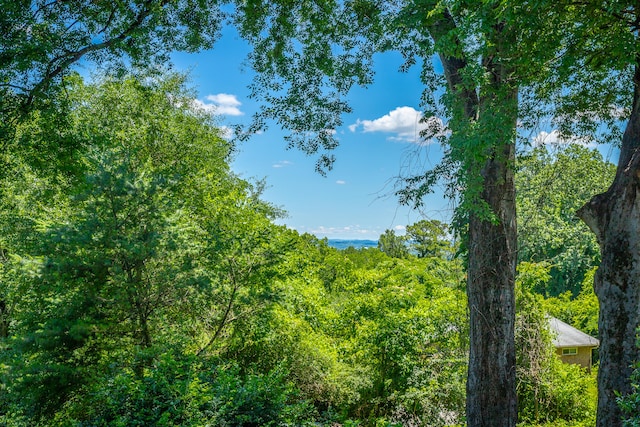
568, 336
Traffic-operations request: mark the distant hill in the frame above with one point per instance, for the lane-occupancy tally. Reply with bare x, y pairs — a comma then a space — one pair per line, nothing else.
358, 244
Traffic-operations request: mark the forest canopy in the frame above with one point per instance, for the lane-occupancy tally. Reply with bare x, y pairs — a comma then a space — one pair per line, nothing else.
145, 284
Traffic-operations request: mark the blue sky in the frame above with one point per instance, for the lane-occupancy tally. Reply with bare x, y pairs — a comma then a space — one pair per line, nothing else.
355, 200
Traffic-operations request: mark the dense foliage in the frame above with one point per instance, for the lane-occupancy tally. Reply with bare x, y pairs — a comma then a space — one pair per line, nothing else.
42, 40
143, 283
552, 184
630, 404
130, 254
133, 255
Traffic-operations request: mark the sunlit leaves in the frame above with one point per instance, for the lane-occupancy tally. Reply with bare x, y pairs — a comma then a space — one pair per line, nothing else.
552, 184
42, 40
151, 243
548, 389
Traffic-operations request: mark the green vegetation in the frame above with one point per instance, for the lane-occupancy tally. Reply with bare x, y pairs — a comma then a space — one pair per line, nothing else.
144, 284
551, 187
630, 404
550, 392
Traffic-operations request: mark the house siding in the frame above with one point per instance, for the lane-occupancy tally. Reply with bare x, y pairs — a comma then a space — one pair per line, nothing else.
582, 358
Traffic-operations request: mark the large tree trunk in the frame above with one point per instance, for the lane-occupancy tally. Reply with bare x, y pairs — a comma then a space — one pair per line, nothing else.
492, 113
491, 399
614, 217
491, 396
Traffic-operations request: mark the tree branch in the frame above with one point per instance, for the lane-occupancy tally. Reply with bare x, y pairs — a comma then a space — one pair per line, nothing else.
73, 57
589, 215
225, 317
440, 28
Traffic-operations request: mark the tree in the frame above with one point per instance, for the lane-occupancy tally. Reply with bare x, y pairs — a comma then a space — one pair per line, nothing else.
43, 40
604, 71
152, 247
614, 217
429, 238
393, 245
309, 55
552, 184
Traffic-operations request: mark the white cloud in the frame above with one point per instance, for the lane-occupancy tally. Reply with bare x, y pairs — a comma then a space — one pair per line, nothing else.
400, 120
554, 138
404, 122
199, 105
341, 182
400, 228
282, 164
221, 104
224, 99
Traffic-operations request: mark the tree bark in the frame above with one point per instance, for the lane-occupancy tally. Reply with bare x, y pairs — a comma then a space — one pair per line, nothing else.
491, 399
491, 378
614, 217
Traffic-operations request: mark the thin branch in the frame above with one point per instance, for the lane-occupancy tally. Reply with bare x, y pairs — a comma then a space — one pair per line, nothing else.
225, 317
71, 25
77, 55
438, 29
111, 16
12, 86
35, 14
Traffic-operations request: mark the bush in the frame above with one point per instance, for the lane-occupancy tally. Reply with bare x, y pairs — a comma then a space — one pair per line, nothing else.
549, 391
630, 404
184, 391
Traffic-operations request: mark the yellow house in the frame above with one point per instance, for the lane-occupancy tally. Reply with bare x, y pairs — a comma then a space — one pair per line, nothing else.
572, 345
